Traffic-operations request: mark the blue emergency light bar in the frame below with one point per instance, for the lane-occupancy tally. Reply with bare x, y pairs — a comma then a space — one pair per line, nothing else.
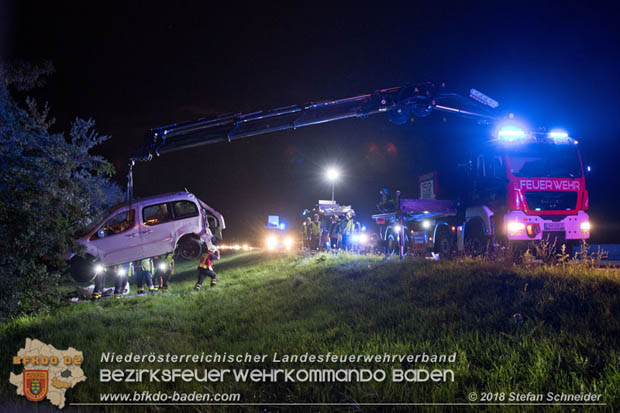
511, 133
514, 133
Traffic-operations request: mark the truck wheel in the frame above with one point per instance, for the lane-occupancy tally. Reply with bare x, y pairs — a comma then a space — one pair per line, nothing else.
82, 268
444, 243
392, 244
475, 240
189, 249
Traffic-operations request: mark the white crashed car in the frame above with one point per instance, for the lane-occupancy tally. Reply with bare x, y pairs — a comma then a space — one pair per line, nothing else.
147, 227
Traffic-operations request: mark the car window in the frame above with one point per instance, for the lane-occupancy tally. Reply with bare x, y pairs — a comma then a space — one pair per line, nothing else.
119, 223
184, 209
156, 214
213, 222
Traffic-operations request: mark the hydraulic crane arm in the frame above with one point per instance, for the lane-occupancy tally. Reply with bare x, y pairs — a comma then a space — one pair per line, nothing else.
399, 102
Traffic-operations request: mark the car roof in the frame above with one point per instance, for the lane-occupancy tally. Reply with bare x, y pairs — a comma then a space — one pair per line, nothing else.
169, 196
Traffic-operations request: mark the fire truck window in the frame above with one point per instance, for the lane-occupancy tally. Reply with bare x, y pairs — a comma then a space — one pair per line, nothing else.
481, 166
156, 214
184, 209
496, 168
119, 223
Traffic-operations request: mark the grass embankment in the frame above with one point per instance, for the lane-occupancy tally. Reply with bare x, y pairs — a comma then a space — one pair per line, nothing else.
568, 341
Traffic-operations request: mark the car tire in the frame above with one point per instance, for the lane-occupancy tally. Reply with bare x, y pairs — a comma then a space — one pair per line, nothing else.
189, 249
82, 268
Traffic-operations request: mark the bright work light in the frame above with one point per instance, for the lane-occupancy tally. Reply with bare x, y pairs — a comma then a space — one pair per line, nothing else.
332, 174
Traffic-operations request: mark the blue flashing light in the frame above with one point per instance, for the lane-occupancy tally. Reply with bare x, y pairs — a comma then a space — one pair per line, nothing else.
558, 134
511, 133
364, 226
282, 226
589, 168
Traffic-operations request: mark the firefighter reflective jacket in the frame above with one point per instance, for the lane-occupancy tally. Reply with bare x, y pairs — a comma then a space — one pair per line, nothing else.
166, 259
349, 227
143, 265
206, 260
316, 228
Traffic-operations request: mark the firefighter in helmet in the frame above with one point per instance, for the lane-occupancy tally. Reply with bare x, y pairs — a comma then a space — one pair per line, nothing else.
205, 267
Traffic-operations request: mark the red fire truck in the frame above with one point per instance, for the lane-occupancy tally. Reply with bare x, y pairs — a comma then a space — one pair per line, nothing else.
523, 186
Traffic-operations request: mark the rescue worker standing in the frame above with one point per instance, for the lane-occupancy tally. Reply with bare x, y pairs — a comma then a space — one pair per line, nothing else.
315, 233
144, 271
164, 268
334, 232
205, 267
306, 232
121, 283
99, 285
348, 229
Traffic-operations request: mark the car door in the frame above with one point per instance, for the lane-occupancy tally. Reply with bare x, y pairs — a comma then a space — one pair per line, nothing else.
187, 219
118, 239
156, 229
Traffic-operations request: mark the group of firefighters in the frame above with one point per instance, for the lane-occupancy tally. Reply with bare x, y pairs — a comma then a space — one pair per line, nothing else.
336, 234
154, 273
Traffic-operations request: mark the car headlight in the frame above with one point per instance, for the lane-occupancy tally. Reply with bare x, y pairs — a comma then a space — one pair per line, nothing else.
99, 269
162, 266
396, 228
272, 242
585, 226
363, 239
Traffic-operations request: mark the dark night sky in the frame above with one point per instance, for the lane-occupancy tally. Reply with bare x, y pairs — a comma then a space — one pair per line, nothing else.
140, 66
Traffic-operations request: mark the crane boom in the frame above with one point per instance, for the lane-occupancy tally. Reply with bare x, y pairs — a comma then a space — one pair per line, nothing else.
400, 103
417, 100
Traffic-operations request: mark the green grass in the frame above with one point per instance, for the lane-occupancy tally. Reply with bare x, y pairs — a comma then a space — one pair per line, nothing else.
569, 340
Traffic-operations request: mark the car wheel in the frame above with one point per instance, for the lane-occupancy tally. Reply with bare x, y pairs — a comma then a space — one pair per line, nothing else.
82, 268
189, 249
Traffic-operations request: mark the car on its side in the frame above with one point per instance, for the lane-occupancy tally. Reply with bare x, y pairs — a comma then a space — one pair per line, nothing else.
173, 222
